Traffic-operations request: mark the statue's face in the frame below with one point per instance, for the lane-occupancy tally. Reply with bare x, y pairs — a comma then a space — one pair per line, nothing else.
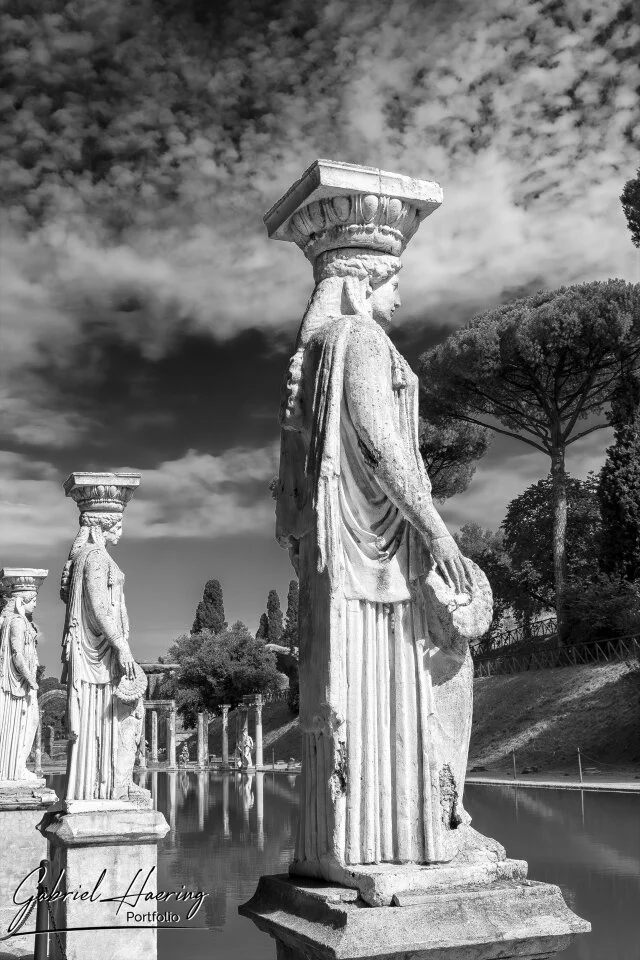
385, 299
113, 534
29, 604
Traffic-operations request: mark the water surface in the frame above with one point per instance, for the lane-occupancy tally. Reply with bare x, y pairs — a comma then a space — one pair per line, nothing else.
227, 830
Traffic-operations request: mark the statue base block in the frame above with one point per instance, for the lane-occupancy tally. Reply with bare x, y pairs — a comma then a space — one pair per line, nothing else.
22, 803
105, 860
312, 920
479, 859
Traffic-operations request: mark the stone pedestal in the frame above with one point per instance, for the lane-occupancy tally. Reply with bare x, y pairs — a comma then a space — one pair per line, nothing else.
312, 920
22, 804
104, 849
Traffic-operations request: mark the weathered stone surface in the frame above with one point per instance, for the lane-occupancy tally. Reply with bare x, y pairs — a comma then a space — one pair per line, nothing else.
107, 825
19, 715
105, 686
332, 180
25, 794
387, 608
479, 861
505, 919
387, 602
106, 853
23, 848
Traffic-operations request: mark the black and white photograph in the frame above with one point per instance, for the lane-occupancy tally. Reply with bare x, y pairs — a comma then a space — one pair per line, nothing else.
319, 480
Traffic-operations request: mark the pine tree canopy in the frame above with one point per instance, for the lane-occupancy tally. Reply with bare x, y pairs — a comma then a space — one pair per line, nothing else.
630, 199
450, 450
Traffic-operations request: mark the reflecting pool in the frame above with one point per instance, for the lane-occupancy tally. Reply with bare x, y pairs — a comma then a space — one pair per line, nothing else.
228, 829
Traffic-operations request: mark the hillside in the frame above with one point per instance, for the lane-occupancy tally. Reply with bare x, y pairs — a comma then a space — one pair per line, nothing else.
546, 715
543, 715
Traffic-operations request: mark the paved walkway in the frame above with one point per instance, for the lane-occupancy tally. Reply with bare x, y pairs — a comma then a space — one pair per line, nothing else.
624, 784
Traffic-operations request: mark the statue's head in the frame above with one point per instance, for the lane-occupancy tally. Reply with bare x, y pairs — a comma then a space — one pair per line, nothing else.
21, 585
370, 280
110, 524
101, 500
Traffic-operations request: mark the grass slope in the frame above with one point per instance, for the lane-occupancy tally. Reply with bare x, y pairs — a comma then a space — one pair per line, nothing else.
545, 715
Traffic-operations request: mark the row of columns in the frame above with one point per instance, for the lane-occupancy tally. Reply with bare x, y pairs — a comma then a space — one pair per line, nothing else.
248, 702
153, 746
254, 701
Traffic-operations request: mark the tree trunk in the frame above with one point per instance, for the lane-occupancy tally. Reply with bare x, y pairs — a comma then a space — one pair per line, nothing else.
559, 479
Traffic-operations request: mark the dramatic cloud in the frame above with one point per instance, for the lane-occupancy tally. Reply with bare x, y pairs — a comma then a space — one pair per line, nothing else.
206, 497
196, 497
144, 142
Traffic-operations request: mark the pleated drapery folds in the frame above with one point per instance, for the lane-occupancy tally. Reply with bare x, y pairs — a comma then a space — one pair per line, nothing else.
91, 761
17, 726
394, 748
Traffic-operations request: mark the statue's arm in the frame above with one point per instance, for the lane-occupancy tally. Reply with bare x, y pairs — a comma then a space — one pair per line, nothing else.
17, 640
96, 584
369, 395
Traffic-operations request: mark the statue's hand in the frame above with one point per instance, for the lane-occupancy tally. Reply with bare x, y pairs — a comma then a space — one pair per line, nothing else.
451, 565
125, 661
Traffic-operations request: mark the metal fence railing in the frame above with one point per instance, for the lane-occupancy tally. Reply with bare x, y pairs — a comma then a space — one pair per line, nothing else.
545, 654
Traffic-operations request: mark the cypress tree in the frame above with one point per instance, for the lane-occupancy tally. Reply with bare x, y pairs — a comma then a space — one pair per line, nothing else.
210, 610
263, 628
290, 635
274, 616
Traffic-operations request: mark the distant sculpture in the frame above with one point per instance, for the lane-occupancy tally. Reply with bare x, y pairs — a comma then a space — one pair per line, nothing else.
387, 602
244, 742
184, 754
105, 685
19, 714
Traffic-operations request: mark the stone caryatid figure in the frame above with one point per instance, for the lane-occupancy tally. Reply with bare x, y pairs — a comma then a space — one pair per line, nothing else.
105, 685
19, 715
387, 602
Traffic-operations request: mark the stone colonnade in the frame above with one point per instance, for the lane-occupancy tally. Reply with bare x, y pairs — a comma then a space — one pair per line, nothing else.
169, 706
255, 701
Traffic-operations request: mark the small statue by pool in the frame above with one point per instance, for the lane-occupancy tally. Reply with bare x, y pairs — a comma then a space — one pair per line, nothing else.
19, 714
184, 754
105, 685
244, 742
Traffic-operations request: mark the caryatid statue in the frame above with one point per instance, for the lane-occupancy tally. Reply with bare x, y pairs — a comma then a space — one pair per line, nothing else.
19, 714
105, 686
387, 602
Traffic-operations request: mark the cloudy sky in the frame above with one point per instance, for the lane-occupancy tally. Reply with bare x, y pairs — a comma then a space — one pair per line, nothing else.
146, 320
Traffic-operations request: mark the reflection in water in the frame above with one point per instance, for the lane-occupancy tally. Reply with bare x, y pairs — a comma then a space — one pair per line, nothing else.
229, 829
587, 843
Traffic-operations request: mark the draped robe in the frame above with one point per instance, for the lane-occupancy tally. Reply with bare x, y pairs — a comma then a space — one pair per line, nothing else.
385, 682
19, 713
96, 611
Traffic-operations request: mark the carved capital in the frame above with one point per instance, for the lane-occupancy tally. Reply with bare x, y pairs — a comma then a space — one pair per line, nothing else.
101, 492
17, 580
340, 205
